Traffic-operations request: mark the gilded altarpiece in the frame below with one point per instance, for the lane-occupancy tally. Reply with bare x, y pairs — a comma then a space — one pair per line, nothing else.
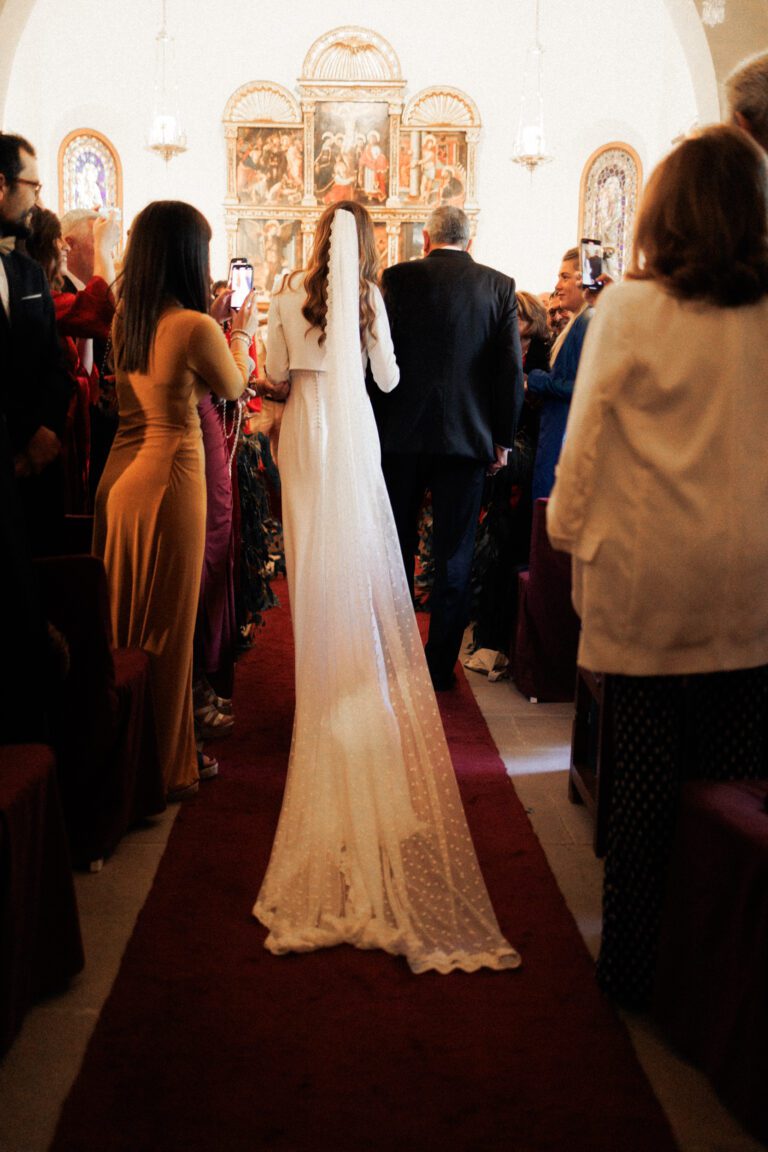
348, 134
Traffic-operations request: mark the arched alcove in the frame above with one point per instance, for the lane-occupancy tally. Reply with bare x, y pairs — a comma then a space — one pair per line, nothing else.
724, 45
644, 97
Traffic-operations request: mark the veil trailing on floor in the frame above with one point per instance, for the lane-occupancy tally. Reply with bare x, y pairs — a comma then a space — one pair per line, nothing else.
372, 847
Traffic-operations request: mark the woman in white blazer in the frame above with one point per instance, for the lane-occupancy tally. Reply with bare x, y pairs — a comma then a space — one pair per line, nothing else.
662, 499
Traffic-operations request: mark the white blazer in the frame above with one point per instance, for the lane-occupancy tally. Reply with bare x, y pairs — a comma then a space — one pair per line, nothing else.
292, 345
661, 493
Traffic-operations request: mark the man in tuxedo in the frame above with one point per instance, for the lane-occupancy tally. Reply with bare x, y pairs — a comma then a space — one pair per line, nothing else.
34, 385
454, 414
34, 395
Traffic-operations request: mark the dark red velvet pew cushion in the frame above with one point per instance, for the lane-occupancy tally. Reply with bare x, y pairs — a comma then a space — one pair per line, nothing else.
40, 945
712, 985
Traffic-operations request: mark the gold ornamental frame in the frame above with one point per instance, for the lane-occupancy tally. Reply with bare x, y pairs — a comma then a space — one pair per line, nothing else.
89, 145
349, 133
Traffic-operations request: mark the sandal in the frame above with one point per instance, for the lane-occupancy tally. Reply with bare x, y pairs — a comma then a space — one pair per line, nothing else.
207, 766
210, 724
204, 695
186, 792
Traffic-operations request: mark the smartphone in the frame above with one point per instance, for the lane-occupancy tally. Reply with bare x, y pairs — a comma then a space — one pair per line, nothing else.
591, 263
240, 281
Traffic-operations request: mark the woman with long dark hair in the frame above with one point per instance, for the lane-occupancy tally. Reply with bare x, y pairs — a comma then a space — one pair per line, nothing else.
372, 847
80, 315
150, 504
661, 500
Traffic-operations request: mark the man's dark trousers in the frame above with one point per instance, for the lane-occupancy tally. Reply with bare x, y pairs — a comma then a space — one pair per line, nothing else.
456, 486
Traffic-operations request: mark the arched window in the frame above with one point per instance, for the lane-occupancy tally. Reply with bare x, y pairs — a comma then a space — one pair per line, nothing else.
610, 190
89, 172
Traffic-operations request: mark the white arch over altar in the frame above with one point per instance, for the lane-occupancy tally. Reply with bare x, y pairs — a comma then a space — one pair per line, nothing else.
614, 71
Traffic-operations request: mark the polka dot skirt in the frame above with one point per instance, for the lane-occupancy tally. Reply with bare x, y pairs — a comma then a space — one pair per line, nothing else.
666, 729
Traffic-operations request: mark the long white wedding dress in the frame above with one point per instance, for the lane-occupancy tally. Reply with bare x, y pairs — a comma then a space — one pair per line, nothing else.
372, 846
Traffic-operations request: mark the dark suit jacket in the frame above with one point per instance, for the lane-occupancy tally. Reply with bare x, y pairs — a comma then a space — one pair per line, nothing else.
454, 327
34, 384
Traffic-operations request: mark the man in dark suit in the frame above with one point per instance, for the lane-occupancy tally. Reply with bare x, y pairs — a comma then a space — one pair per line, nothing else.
454, 414
34, 385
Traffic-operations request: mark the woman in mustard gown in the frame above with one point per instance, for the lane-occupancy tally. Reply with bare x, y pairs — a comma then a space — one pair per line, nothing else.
151, 502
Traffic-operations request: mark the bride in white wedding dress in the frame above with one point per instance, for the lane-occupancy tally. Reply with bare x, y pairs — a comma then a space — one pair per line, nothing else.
372, 846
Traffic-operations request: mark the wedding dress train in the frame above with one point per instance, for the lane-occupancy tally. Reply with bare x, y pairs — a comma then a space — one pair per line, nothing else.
372, 846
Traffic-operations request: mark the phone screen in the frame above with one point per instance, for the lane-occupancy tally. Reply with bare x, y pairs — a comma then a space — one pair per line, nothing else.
240, 281
591, 262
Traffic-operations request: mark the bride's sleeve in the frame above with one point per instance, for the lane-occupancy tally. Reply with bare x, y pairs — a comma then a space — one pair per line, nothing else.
381, 352
276, 364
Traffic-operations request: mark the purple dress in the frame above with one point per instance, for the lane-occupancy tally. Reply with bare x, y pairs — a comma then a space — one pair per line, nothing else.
216, 628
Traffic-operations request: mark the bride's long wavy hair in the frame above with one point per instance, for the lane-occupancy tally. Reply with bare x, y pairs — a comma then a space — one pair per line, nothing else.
316, 277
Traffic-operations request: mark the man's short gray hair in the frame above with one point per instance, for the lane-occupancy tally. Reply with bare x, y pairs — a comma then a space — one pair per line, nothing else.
70, 220
747, 91
448, 225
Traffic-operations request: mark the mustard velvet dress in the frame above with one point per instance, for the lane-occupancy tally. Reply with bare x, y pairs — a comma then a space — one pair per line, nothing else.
150, 515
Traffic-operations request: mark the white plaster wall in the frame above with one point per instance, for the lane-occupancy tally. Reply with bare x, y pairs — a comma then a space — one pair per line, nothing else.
614, 69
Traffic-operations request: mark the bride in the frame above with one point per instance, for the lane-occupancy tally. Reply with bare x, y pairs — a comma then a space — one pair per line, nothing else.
372, 846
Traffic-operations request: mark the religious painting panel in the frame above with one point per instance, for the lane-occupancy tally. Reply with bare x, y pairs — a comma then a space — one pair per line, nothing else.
412, 240
432, 168
270, 165
273, 246
89, 173
382, 243
351, 151
610, 190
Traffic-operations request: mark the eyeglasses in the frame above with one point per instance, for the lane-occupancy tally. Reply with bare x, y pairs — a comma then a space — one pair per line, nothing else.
36, 184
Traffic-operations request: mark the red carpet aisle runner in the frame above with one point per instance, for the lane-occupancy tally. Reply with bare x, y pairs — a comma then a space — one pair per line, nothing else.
210, 1044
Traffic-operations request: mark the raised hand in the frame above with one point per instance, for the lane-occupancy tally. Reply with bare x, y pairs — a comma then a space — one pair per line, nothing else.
247, 317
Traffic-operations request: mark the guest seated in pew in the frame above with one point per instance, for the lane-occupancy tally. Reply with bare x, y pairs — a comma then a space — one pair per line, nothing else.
660, 499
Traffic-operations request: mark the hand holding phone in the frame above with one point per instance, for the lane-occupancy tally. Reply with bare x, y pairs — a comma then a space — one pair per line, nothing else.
240, 281
247, 317
591, 252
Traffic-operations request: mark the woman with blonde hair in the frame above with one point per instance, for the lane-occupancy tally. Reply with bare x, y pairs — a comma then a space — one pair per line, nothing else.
661, 499
372, 847
532, 319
